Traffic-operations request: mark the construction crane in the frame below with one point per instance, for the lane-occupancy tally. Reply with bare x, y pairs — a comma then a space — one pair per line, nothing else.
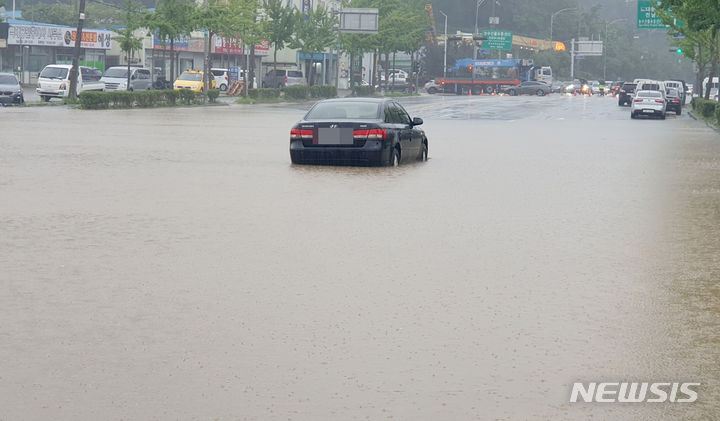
431, 35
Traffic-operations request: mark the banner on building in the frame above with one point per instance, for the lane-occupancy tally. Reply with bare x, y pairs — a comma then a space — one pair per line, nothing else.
58, 36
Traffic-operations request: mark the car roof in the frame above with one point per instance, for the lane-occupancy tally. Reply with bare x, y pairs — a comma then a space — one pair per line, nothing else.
359, 99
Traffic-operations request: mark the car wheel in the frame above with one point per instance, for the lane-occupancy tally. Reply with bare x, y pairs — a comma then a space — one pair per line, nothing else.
540, 92
432, 91
662, 117
424, 152
45, 98
632, 115
223, 87
395, 158
512, 92
679, 111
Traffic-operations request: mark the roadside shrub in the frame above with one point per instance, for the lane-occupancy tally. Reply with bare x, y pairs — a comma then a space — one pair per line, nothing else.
264, 93
323, 91
363, 91
122, 99
186, 96
213, 94
92, 100
147, 99
296, 92
705, 107
717, 115
170, 97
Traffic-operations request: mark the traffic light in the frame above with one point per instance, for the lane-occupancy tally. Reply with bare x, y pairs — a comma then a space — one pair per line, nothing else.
676, 50
679, 51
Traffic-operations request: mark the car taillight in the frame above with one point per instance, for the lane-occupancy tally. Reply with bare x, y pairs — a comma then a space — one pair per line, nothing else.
676, 100
301, 134
376, 134
638, 100
286, 79
660, 101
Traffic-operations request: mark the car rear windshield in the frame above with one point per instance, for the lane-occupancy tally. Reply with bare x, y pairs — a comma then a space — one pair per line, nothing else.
294, 73
344, 110
8, 80
195, 77
650, 87
116, 72
649, 94
54, 73
629, 86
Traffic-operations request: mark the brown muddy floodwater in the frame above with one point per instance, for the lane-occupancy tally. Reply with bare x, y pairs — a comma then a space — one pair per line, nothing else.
172, 264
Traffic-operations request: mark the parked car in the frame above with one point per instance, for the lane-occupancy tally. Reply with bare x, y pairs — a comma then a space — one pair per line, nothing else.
558, 86
192, 80
673, 97
54, 81
115, 79
358, 131
595, 87
394, 74
432, 88
10, 90
648, 103
280, 78
626, 93
222, 79
528, 88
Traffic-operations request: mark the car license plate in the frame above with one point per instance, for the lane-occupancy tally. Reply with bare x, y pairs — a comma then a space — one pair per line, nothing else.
335, 136
649, 111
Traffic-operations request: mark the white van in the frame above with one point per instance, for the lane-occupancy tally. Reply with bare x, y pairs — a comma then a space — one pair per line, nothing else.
54, 81
115, 79
650, 85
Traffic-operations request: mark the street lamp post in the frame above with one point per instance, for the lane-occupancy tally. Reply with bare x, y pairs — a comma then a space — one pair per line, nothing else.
477, 11
607, 24
552, 18
446, 43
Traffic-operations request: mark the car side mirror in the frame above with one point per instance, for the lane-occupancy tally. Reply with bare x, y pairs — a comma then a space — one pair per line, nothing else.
417, 121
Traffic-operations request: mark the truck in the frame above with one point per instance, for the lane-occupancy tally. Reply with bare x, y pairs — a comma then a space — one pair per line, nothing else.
54, 81
477, 76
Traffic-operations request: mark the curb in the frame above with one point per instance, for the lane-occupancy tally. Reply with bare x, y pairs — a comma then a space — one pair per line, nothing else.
712, 126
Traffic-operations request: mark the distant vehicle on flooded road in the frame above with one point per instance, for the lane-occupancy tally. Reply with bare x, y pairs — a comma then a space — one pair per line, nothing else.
358, 131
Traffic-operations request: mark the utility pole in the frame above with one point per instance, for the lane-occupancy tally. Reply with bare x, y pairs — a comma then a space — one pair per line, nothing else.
446, 43
605, 45
477, 11
76, 53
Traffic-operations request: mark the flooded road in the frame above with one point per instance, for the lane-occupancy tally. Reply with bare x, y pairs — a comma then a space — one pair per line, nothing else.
172, 264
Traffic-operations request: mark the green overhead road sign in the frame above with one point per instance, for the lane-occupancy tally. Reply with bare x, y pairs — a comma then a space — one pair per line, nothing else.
497, 40
646, 17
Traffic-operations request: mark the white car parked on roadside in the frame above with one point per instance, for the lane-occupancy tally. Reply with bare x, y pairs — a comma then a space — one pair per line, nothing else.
54, 81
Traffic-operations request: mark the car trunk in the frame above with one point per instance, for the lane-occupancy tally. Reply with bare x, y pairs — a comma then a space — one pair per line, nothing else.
337, 134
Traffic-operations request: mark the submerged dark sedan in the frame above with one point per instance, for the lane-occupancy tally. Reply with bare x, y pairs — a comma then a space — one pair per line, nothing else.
10, 90
358, 131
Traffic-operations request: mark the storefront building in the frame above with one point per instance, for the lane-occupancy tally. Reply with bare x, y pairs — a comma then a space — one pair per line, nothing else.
30, 46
